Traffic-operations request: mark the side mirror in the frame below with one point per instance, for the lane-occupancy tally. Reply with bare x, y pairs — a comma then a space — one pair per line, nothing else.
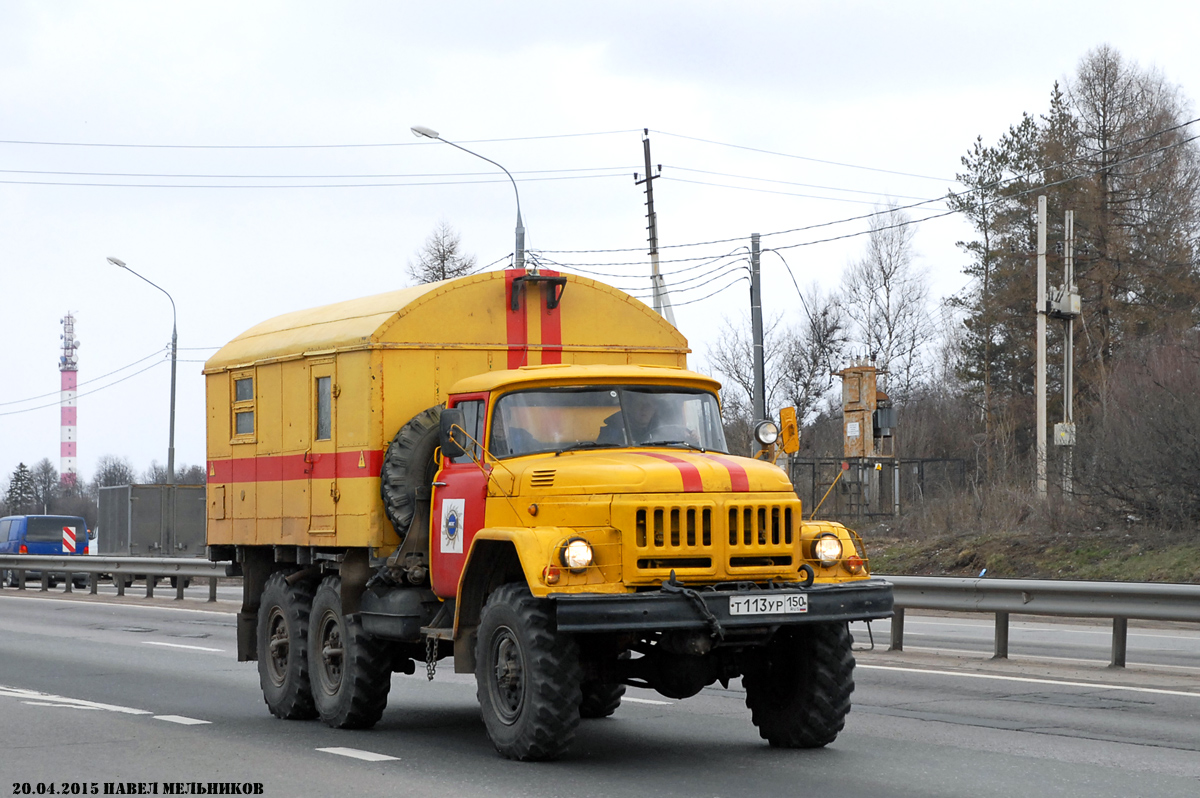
789, 430
452, 445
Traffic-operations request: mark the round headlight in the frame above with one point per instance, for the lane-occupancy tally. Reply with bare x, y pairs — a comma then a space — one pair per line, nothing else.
766, 432
827, 549
576, 555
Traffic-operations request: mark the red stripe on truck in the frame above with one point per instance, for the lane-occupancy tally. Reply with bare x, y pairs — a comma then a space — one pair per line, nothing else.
290, 467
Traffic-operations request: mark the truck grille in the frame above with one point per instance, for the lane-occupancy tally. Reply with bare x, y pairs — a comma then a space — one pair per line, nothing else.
735, 539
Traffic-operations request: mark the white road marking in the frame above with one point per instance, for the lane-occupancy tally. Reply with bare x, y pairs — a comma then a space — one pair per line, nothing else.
1055, 682
181, 720
647, 701
97, 602
181, 645
60, 706
354, 753
58, 700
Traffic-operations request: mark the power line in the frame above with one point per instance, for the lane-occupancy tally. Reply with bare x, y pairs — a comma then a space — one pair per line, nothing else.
302, 146
770, 191
801, 157
298, 185
789, 182
84, 382
87, 393
621, 170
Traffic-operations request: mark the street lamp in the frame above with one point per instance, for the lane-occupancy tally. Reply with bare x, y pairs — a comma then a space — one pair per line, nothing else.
171, 441
519, 252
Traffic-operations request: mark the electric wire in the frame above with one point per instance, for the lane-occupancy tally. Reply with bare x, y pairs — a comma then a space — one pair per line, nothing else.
621, 170
72, 184
787, 182
770, 191
84, 382
305, 146
800, 157
86, 393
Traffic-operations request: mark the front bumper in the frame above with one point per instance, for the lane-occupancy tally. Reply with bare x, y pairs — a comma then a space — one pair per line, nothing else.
660, 610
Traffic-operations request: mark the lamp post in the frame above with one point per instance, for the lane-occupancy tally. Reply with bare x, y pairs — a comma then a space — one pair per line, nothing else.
174, 337
519, 251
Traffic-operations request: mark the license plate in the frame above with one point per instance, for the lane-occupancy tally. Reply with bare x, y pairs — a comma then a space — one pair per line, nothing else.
768, 605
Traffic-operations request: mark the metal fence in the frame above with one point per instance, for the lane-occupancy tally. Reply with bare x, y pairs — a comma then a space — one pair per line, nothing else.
15, 569
1119, 601
867, 487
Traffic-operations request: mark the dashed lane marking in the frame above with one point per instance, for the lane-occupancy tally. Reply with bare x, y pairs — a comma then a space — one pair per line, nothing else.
354, 753
181, 645
1026, 679
182, 721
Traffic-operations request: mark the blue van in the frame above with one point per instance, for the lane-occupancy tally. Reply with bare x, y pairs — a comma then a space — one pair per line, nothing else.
43, 534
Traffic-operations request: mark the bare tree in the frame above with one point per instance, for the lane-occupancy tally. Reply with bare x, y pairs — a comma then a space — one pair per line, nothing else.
112, 470
191, 475
886, 300
441, 257
810, 351
46, 484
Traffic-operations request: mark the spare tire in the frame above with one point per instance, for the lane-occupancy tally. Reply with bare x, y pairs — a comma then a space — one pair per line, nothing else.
409, 468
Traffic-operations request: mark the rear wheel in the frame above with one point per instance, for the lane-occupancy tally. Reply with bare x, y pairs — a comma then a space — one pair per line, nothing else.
600, 700
283, 618
351, 671
799, 690
527, 677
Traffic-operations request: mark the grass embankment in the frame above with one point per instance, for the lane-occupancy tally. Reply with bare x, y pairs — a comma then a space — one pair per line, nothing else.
1020, 539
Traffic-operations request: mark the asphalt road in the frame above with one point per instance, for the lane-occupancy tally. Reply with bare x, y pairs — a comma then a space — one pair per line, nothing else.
96, 691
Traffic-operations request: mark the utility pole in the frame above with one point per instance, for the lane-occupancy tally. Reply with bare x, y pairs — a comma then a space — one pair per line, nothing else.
1040, 374
756, 323
662, 301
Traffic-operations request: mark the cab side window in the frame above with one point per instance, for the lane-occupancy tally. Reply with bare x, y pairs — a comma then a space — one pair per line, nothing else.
473, 412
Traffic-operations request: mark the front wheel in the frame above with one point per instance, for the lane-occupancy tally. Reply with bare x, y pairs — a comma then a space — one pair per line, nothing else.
282, 648
798, 690
527, 677
352, 671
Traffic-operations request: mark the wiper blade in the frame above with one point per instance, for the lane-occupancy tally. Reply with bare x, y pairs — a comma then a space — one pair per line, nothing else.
586, 445
691, 446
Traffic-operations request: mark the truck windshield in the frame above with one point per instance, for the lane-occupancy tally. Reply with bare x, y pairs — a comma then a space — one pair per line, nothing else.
558, 419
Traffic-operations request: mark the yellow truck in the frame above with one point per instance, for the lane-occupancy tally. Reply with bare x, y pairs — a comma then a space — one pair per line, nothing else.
515, 470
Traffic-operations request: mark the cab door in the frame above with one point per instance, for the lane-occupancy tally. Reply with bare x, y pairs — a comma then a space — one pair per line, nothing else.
322, 455
459, 501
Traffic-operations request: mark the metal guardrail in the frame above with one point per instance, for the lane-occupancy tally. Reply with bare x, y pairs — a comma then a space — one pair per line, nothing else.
1117, 600
120, 568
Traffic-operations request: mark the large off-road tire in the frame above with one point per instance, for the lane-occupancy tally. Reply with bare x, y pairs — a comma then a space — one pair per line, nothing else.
600, 700
527, 677
283, 648
351, 671
408, 466
799, 691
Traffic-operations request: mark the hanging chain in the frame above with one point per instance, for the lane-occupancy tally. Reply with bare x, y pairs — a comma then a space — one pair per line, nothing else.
431, 645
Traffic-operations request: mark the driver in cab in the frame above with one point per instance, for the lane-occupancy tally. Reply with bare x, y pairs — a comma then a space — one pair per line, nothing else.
639, 413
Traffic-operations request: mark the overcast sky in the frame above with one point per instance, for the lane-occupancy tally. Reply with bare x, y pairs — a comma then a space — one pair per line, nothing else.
761, 113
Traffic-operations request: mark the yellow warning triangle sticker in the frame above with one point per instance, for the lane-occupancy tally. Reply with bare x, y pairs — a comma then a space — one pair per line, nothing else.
362, 460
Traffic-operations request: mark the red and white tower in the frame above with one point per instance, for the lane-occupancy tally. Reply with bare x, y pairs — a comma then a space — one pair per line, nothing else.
68, 364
